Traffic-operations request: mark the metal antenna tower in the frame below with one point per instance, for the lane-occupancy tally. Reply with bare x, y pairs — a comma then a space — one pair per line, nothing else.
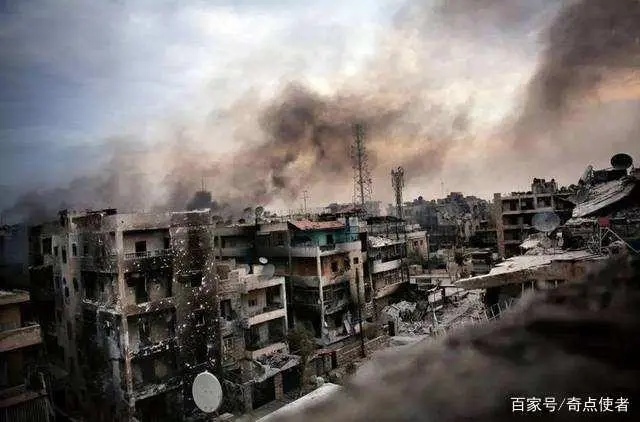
305, 196
361, 177
397, 181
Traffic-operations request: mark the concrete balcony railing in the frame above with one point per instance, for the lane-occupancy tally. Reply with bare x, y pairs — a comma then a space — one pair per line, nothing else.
257, 282
379, 266
310, 251
236, 251
20, 337
263, 349
265, 314
147, 254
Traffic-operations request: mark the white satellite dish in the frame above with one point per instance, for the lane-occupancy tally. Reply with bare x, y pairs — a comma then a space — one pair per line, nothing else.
269, 270
263, 260
545, 222
207, 392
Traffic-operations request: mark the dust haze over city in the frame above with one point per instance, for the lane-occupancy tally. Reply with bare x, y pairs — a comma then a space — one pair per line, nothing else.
445, 89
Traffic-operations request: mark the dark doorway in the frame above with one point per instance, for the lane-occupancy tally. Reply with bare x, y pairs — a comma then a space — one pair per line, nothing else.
263, 393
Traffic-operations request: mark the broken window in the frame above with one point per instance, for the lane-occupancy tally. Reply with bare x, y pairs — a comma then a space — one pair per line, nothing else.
85, 249
226, 310
57, 278
75, 284
55, 251
167, 243
145, 332
199, 318
330, 239
253, 303
66, 292
69, 331
142, 295
74, 250
334, 267
46, 246
356, 260
64, 255
141, 248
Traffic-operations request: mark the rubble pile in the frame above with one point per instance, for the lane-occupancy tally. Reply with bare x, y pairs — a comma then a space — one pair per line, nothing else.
420, 319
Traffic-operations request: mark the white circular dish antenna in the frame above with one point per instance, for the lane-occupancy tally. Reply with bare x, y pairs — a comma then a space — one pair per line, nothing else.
207, 392
545, 221
263, 260
269, 270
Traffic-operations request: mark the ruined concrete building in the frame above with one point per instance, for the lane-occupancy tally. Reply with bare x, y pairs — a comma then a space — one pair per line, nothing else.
134, 305
23, 390
390, 244
139, 305
514, 213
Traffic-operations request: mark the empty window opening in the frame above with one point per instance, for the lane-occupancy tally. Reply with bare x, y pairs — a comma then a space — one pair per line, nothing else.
334, 267
55, 251
145, 332
75, 284
330, 239
167, 243
226, 311
253, 303
64, 255
200, 319
46, 246
141, 248
85, 249
356, 260
74, 250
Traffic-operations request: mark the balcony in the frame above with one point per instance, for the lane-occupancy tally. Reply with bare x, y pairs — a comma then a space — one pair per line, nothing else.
20, 337
128, 256
379, 266
145, 390
257, 282
146, 350
108, 263
310, 251
265, 314
234, 252
255, 351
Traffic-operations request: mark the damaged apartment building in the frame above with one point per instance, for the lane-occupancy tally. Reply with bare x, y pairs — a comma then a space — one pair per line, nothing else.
142, 307
604, 221
390, 244
514, 213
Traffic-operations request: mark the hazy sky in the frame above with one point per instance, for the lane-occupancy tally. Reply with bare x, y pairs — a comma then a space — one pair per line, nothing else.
76, 73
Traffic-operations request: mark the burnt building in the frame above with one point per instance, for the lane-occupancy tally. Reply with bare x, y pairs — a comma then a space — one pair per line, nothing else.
514, 213
23, 391
134, 306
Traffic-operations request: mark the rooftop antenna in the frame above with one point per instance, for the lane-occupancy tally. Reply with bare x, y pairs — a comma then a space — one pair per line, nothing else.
202, 181
305, 196
207, 392
397, 181
361, 176
442, 187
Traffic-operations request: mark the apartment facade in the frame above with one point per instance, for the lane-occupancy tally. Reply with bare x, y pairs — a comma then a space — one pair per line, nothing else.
23, 391
142, 305
514, 213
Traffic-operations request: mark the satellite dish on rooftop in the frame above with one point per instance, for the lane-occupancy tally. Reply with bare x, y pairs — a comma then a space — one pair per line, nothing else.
621, 161
207, 392
263, 260
269, 270
545, 222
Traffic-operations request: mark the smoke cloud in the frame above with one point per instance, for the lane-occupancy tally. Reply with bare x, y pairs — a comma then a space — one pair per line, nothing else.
451, 83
